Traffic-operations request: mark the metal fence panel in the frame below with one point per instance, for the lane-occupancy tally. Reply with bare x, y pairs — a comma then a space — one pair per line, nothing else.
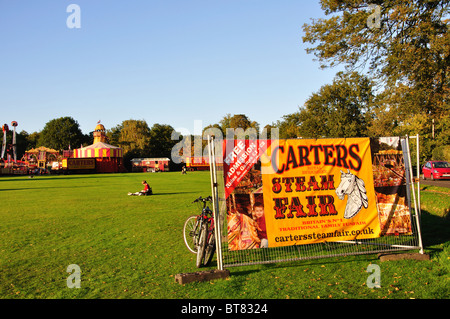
384, 244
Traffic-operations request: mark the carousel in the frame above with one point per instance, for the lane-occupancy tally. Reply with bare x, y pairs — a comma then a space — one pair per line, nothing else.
41, 157
108, 158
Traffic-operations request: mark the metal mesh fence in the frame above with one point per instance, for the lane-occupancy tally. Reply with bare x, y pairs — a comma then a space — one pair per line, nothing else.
383, 244
320, 250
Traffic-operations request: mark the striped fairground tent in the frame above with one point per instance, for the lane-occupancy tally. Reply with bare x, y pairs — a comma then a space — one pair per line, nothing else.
98, 150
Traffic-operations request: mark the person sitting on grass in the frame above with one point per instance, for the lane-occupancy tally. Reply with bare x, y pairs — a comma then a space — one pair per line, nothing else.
146, 191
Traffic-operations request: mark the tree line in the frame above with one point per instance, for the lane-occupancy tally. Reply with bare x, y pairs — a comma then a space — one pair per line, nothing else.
396, 78
135, 137
395, 83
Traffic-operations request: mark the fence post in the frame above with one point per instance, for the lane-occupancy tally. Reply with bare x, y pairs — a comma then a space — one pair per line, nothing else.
418, 174
416, 202
215, 201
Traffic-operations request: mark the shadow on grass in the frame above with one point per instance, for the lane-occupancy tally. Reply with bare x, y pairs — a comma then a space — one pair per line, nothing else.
174, 193
40, 188
434, 234
435, 229
301, 263
58, 177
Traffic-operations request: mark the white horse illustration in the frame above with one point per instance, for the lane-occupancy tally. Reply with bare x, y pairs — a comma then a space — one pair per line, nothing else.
355, 188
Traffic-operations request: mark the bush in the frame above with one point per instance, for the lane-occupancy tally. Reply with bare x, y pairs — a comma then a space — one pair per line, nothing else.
441, 153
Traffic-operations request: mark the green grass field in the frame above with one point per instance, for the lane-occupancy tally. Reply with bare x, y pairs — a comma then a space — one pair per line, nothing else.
132, 247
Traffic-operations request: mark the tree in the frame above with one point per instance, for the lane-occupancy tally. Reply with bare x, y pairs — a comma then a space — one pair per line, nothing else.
60, 133
289, 125
341, 109
408, 53
214, 129
113, 134
134, 135
21, 143
32, 140
239, 122
270, 131
160, 140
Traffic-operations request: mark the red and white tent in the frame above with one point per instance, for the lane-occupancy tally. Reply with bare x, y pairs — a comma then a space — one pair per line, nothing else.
98, 150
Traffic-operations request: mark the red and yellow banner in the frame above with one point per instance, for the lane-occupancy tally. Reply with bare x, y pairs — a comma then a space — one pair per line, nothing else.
319, 190
294, 192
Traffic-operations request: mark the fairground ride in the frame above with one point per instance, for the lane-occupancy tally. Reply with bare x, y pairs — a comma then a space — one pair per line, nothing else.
9, 164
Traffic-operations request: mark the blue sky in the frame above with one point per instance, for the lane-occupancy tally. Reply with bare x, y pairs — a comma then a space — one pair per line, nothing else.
164, 61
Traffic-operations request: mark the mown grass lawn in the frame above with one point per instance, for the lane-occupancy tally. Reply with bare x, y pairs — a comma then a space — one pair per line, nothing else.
132, 247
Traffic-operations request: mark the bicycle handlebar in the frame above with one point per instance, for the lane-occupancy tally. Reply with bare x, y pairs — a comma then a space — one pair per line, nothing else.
204, 200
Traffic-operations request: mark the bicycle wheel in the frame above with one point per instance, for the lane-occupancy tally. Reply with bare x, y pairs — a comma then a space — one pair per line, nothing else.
189, 233
201, 244
210, 247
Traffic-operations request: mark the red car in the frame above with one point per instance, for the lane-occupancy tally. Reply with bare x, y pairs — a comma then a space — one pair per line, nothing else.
436, 170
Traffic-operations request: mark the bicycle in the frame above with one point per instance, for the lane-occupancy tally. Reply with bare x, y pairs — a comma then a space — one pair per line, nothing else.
198, 233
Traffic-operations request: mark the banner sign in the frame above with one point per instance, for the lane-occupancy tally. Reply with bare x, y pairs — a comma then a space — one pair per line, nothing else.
319, 190
239, 158
299, 191
78, 163
390, 185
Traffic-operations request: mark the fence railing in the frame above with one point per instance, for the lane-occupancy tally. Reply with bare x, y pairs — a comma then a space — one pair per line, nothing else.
386, 243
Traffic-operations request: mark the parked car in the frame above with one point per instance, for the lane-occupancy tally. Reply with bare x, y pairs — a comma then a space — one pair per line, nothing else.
436, 170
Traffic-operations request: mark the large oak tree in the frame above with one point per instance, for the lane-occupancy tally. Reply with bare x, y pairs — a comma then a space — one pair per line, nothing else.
403, 45
408, 51
61, 133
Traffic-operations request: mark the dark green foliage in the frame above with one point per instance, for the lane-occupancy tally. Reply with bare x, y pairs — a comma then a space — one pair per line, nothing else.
59, 133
